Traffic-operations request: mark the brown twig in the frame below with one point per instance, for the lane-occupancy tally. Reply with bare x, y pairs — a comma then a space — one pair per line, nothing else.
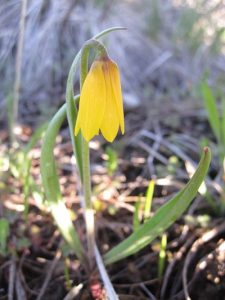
20, 292
12, 274
49, 275
173, 263
136, 284
205, 238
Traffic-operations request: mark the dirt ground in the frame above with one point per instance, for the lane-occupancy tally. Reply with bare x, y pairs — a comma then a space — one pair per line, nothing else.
38, 265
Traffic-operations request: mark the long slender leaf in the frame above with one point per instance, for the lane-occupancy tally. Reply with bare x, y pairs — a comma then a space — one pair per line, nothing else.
163, 218
4, 233
136, 221
47, 162
162, 255
148, 200
223, 124
52, 187
210, 106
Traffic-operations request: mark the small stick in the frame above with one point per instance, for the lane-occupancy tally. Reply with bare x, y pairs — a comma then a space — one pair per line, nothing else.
49, 275
19, 57
20, 291
12, 274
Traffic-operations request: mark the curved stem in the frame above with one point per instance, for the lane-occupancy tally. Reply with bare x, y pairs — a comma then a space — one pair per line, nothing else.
88, 210
71, 111
104, 32
71, 108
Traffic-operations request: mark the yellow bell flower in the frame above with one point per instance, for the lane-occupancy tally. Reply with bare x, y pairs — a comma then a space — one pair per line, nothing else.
101, 106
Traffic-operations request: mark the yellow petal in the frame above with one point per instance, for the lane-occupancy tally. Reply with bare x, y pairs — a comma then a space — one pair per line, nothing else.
110, 122
92, 102
116, 90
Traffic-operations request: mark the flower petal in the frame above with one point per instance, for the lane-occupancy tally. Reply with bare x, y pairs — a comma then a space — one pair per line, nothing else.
110, 123
116, 88
92, 102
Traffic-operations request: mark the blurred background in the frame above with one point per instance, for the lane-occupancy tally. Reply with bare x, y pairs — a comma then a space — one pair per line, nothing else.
168, 47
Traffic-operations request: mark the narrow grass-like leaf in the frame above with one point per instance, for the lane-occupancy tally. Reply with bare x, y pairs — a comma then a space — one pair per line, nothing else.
27, 165
148, 200
26, 187
4, 232
211, 108
223, 124
163, 218
48, 168
9, 106
208, 197
136, 221
162, 255
52, 187
112, 160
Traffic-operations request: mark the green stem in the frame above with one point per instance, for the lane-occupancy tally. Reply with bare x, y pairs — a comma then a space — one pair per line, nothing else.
71, 111
88, 210
86, 170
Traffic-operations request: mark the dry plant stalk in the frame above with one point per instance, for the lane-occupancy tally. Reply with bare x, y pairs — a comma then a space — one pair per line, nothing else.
19, 58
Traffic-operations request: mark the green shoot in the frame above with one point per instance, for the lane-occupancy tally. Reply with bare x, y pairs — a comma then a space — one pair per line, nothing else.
136, 215
9, 106
112, 160
26, 188
4, 233
148, 200
162, 255
68, 283
211, 108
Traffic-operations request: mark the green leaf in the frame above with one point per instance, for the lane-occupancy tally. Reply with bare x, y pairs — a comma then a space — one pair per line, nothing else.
4, 232
210, 106
48, 168
72, 114
52, 188
136, 221
223, 124
163, 218
162, 255
112, 160
148, 200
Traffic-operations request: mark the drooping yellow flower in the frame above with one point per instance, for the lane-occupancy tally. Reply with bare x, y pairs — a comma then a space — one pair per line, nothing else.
101, 106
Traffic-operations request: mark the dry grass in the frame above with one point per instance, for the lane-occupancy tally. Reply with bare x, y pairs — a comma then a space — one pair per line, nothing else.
166, 62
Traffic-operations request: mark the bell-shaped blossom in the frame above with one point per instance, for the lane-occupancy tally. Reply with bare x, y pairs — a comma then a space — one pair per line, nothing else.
101, 105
